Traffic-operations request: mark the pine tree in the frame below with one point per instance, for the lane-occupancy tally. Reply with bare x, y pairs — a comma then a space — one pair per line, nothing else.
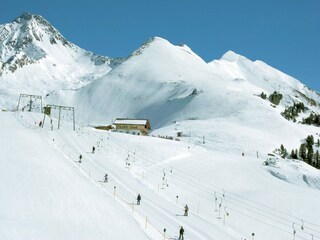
317, 159
310, 140
303, 152
296, 154
292, 154
283, 151
263, 95
275, 98
310, 154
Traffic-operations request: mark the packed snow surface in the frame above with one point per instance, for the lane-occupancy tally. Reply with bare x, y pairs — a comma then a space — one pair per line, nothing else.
50, 195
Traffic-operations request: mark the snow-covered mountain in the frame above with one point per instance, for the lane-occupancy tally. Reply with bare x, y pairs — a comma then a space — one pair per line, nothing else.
165, 83
36, 59
160, 81
170, 85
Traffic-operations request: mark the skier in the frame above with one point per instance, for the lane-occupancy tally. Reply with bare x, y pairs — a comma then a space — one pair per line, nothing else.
186, 210
93, 149
80, 157
138, 199
181, 231
40, 123
106, 177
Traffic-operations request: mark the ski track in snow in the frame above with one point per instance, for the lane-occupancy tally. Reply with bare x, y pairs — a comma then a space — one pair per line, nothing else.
133, 190
112, 150
155, 209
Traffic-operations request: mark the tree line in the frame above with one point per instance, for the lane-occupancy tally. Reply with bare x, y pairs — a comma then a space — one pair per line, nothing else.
292, 112
308, 152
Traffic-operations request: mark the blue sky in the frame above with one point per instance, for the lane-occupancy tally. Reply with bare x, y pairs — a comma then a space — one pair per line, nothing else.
283, 33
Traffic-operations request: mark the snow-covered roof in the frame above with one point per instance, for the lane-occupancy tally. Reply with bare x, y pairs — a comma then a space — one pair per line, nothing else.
130, 121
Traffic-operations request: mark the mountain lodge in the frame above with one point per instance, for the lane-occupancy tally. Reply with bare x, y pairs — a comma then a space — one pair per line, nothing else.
132, 126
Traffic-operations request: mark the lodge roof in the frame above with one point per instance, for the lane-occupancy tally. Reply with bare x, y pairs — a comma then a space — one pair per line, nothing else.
130, 121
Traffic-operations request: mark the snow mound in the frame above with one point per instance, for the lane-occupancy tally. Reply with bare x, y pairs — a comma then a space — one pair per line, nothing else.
294, 171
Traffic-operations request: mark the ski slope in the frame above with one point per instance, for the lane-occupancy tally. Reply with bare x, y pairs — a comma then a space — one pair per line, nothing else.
50, 195
46, 197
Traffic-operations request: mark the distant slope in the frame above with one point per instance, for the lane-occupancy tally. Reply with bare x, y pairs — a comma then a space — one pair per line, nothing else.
168, 83
233, 66
157, 81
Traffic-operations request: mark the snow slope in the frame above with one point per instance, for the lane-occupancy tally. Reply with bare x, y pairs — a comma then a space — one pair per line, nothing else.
234, 66
168, 83
46, 197
49, 195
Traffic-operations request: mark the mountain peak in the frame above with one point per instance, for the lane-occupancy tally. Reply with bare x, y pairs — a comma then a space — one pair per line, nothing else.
160, 47
154, 40
24, 16
151, 41
27, 39
29, 30
231, 56
27, 17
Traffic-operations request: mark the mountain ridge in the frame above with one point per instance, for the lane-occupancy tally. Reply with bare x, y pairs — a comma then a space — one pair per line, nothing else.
169, 76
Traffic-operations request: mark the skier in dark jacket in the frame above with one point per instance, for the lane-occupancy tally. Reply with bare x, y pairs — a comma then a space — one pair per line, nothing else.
80, 157
93, 149
106, 177
181, 232
138, 199
186, 210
